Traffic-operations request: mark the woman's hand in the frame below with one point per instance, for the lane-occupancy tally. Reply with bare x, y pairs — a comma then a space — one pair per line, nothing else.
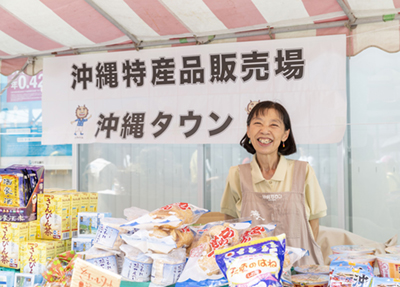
315, 228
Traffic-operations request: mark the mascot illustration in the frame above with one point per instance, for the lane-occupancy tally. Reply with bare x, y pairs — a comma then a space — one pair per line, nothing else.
81, 117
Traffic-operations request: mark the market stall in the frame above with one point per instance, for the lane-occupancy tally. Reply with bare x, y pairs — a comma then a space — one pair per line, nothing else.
142, 95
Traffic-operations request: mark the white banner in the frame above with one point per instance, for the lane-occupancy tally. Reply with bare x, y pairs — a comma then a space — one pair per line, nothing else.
195, 94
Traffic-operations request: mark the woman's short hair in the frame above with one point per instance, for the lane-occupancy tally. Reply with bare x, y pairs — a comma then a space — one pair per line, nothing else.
260, 108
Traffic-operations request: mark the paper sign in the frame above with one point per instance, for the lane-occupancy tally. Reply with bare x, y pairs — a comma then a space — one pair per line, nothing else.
88, 275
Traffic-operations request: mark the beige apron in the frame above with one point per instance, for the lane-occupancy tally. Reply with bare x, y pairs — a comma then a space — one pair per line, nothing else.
286, 209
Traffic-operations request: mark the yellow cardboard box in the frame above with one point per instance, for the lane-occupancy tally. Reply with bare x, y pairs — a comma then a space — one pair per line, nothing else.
12, 234
54, 216
67, 244
85, 201
93, 200
35, 255
32, 230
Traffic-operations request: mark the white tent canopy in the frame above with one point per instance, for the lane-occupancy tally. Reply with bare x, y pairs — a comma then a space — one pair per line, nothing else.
33, 29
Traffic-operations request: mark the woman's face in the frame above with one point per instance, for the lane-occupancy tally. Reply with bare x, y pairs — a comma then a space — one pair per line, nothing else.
266, 132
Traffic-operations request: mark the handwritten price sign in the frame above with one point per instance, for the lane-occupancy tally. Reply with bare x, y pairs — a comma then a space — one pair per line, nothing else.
88, 275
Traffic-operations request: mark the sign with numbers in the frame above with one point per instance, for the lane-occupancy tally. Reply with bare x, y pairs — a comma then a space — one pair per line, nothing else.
195, 94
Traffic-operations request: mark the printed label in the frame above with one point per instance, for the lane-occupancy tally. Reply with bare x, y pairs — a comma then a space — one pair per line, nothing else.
106, 236
108, 263
136, 271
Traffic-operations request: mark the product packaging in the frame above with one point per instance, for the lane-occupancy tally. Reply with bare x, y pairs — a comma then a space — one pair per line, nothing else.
171, 216
80, 244
93, 201
109, 233
12, 235
101, 258
54, 216
255, 263
27, 212
89, 222
137, 265
35, 255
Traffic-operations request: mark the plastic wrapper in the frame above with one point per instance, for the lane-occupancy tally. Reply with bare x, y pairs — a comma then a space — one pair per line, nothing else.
350, 274
171, 216
312, 269
385, 282
310, 280
361, 259
59, 271
201, 268
353, 250
257, 232
106, 259
255, 263
133, 213
137, 265
167, 268
292, 255
160, 240
108, 235
389, 265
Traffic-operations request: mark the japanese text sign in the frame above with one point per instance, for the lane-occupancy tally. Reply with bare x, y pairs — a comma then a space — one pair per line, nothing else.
88, 275
195, 94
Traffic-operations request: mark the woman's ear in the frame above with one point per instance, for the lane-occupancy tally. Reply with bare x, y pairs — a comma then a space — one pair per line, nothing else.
286, 135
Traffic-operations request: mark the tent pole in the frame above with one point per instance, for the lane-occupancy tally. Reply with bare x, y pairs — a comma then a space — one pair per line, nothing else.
29, 61
114, 22
347, 11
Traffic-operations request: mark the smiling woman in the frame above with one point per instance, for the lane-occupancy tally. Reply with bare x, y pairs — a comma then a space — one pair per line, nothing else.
272, 188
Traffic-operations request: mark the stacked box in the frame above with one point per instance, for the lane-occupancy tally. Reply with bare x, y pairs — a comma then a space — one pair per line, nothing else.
93, 200
32, 230
54, 216
67, 244
35, 256
76, 203
12, 235
89, 222
85, 201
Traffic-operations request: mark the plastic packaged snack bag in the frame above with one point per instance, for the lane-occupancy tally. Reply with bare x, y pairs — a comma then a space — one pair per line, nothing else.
167, 267
201, 268
171, 216
102, 258
292, 255
137, 265
108, 235
255, 263
133, 213
257, 232
160, 240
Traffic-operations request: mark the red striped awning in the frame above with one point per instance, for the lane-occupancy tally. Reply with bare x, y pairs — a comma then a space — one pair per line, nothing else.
43, 28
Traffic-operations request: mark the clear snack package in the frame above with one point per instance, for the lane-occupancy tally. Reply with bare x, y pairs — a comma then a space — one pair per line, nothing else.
254, 263
201, 268
137, 265
106, 259
133, 213
108, 235
167, 268
171, 216
160, 240
292, 255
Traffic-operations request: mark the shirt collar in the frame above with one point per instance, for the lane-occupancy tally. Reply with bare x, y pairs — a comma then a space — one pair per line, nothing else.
279, 174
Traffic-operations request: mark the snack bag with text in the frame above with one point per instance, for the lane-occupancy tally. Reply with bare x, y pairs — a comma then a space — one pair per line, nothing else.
201, 268
255, 263
171, 216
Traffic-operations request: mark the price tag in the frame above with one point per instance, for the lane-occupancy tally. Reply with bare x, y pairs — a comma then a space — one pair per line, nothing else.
88, 275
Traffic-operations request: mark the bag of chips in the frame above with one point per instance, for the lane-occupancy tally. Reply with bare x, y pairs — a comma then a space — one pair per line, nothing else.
257, 232
255, 263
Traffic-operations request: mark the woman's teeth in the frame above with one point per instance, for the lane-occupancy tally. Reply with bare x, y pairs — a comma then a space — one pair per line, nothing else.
264, 141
